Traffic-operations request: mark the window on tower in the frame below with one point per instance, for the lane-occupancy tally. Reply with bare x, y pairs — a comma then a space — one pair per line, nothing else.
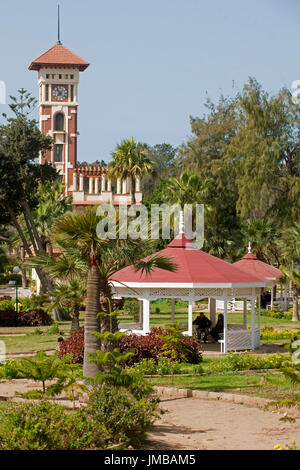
59, 122
58, 152
72, 93
47, 93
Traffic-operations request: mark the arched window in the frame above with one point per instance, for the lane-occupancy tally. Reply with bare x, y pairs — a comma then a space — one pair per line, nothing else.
59, 122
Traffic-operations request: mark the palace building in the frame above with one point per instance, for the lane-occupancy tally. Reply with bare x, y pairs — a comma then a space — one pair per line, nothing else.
58, 78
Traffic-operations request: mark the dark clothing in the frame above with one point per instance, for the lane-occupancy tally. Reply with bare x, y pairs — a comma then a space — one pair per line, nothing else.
216, 330
265, 298
203, 325
202, 322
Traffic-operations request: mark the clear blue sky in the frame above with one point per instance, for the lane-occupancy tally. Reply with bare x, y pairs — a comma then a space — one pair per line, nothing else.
152, 61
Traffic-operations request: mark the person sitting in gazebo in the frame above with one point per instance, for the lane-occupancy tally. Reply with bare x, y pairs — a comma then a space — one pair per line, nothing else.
203, 324
218, 328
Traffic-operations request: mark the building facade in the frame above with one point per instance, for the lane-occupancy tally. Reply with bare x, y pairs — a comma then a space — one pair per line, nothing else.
58, 78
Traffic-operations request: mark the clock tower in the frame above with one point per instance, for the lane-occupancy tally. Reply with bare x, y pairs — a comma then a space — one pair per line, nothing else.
58, 78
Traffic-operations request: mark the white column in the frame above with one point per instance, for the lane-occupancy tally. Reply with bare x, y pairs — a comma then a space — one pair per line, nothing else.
96, 185
272, 296
212, 310
108, 185
146, 315
225, 338
91, 185
190, 318
173, 310
286, 300
253, 319
124, 187
140, 311
81, 182
245, 314
138, 183
102, 183
118, 185
74, 181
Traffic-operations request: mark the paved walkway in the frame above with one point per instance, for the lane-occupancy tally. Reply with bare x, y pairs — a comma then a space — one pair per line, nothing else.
195, 424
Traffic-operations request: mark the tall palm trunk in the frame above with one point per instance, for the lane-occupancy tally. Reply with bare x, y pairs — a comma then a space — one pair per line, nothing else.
295, 316
91, 322
75, 318
23, 270
133, 186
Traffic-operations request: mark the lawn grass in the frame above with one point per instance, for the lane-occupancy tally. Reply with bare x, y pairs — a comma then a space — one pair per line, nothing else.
34, 343
267, 385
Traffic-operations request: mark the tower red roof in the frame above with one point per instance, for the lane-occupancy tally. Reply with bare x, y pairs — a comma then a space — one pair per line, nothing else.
59, 55
250, 264
193, 267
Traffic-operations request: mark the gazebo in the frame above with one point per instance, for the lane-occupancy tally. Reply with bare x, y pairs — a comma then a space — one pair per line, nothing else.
250, 264
199, 275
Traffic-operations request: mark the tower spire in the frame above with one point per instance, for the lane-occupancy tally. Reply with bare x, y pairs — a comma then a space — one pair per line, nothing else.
58, 25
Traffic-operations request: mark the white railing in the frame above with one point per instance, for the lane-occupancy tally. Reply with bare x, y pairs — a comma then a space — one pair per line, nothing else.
233, 305
238, 340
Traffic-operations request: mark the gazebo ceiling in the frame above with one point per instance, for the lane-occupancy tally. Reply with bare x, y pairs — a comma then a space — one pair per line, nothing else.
252, 265
195, 268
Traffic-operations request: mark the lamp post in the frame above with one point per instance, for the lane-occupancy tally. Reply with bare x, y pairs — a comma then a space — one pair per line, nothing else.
16, 270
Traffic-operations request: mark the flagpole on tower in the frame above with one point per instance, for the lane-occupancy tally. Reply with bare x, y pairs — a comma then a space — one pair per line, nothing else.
58, 25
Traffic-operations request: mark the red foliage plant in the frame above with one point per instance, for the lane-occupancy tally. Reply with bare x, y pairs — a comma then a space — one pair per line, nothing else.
149, 346
36, 317
143, 347
8, 318
73, 345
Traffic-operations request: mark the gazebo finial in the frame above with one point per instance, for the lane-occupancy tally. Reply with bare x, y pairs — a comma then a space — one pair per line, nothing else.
181, 222
249, 247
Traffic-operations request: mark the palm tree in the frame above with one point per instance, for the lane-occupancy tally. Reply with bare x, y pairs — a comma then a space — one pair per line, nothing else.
189, 188
53, 202
290, 250
263, 235
293, 276
71, 295
79, 231
130, 159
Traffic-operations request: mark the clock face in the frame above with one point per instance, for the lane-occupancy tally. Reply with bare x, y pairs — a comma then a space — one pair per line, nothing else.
60, 93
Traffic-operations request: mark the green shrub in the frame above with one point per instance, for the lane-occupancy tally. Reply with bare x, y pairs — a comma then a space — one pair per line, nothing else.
5, 278
48, 426
7, 304
276, 313
269, 333
163, 367
35, 332
124, 416
132, 308
54, 329
247, 361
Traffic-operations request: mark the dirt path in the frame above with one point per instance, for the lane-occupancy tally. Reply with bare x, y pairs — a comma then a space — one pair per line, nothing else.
214, 425
196, 424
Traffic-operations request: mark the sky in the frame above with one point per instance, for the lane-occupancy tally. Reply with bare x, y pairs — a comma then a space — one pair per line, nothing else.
153, 63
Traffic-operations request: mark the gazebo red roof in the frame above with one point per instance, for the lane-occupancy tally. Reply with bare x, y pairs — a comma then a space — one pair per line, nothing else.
250, 264
59, 55
193, 267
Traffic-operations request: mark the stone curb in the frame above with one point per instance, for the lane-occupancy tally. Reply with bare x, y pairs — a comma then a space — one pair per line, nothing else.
169, 392
257, 402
